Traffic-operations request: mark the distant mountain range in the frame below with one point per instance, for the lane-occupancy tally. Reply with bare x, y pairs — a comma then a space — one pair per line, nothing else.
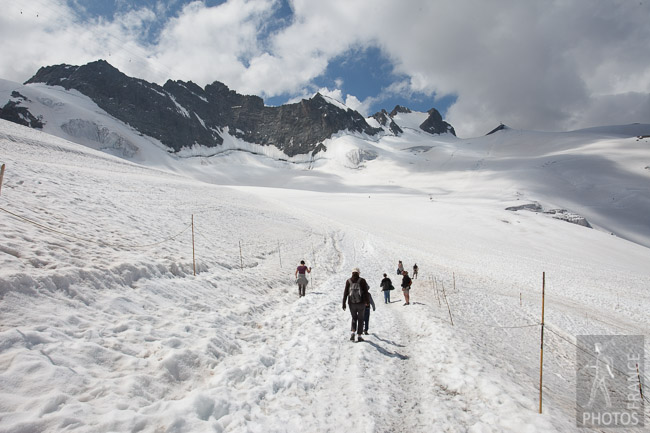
181, 114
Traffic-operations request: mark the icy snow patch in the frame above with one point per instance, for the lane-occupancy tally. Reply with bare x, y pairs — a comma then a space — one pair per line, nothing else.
107, 139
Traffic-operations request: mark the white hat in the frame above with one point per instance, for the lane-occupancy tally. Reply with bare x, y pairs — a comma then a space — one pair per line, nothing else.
356, 270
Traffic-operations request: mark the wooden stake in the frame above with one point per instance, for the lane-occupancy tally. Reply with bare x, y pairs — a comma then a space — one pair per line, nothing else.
241, 259
638, 376
2, 174
313, 258
447, 302
193, 254
541, 352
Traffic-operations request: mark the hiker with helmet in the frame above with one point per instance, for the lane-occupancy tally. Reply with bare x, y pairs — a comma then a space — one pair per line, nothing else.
301, 278
356, 295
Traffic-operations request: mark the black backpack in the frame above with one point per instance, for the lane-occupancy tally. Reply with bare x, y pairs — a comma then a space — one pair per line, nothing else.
355, 292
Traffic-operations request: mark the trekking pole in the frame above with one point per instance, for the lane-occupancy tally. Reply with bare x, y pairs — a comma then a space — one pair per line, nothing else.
313, 257
280, 254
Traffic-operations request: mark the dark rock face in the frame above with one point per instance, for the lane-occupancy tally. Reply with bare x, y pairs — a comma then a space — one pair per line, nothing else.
435, 125
399, 109
501, 127
385, 119
13, 112
181, 114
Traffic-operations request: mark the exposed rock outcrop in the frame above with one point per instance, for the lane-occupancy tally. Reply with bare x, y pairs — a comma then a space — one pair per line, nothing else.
501, 127
435, 125
386, 120
13, 112
182, 114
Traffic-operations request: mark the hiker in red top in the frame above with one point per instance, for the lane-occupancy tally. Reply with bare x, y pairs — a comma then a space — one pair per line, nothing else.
356, 295
301, 278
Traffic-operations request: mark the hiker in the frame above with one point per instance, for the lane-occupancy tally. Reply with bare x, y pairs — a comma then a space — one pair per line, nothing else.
366, 314
356, 295
400, 268
301, 277
386, 286
415, 271
406, 286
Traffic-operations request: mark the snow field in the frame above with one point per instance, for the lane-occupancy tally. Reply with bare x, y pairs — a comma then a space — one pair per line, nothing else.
105, 327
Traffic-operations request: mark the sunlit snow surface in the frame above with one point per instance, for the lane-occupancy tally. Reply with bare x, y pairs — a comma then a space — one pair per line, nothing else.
105, 327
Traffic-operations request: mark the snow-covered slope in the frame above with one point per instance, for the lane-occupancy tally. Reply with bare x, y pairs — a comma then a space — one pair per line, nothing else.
598, 174
106, 328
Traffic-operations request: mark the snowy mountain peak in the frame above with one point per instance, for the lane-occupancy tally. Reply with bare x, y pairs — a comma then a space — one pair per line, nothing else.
435, 125
328, 99
399, 109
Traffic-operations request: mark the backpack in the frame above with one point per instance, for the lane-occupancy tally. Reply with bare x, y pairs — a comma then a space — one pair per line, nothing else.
355, 292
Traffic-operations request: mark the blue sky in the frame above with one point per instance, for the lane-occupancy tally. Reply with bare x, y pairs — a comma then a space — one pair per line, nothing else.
365, 72
547, 65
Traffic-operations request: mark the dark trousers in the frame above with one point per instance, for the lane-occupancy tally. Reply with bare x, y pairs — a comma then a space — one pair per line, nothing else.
366, 318
357, 312
301, 289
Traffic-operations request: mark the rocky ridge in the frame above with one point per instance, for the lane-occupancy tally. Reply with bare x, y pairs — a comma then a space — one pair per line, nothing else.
182, 114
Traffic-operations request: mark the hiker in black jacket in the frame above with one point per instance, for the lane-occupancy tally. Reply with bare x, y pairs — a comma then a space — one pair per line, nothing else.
406, 286
356, 295
386, 286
